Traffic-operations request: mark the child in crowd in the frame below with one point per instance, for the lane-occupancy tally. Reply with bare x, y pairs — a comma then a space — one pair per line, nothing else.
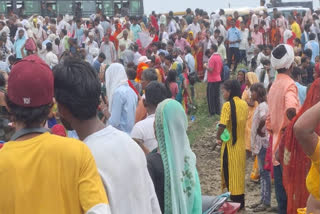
132, 74
250, 50
260, 143
172, 83
97, 63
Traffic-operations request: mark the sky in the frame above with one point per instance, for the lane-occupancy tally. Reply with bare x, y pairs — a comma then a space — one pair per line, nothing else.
164, 6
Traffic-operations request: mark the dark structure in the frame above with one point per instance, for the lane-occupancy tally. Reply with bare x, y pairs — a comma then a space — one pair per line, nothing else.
82, 8
279, 3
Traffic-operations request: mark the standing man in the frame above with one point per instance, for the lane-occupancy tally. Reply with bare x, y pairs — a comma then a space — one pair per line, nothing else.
19, 43
313, 46
117, 156
109, 51
283, 104
214, 69
194, 27
41, 172
234, 39
125, 41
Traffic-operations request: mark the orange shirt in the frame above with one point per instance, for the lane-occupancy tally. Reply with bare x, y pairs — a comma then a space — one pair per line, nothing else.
282, 96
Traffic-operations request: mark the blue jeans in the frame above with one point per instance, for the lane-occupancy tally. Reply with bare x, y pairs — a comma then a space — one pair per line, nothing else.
280, 191
265, 180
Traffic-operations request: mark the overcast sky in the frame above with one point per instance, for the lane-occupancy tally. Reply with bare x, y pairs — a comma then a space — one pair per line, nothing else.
164, 6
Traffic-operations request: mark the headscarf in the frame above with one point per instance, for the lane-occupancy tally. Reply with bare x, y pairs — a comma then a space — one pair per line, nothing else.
182, 192
143, 27
140, 68
180, 79
116, 76
252, 77
293, 160
59, 130
163, 20
285, 61
190, 41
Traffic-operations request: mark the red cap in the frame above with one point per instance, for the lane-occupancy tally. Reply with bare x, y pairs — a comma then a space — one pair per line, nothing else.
30, 83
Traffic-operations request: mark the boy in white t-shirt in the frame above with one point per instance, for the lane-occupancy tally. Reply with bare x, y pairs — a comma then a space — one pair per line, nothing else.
143, 131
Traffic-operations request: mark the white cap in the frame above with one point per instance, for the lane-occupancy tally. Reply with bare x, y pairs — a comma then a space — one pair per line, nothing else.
285, 61
143, 59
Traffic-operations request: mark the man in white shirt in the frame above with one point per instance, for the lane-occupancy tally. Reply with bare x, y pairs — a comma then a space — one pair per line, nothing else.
62, 24
109, 51
124, 42
254, 20
98, 29
91, 45
244, 40
4, 28
222, 29
143, 131
121, 162
172, 26
51, 58
194, 27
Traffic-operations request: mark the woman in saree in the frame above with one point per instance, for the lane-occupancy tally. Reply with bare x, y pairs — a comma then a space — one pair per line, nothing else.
250, 79
275, 35
233, 152
182, 82
295, 163
191, 40
306, 130
179, 190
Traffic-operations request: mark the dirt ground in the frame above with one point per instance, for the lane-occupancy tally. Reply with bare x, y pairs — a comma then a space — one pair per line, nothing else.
208, 164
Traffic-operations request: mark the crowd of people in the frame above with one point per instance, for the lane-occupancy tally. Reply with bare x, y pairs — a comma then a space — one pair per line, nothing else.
124, 86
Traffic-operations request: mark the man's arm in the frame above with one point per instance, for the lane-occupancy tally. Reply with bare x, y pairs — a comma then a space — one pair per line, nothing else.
291, 101
304, 129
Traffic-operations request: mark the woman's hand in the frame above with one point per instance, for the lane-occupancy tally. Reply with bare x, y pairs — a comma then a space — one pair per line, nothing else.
219, 142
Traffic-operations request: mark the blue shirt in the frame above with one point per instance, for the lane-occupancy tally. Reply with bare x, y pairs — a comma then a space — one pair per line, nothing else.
18, 45
314, 47
135, 30
96, 65
302, 92
124, 103
233, 35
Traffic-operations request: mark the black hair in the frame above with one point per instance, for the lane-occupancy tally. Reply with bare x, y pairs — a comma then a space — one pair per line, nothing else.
12, 58
214, 47
308, 52
29, 116
265, 62
297, 40
254, 26
64, 32
2, 81
260, 90
217, 31
208, 53
233, 86
312, 36
188, 49
77, 87
155, 93
57, 41
49, 46
296, 72
172, 76
131, 73
150, 74
249, 38
169, 57
102, 56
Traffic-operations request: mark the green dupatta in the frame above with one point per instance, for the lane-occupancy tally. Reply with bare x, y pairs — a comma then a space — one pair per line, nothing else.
182, 192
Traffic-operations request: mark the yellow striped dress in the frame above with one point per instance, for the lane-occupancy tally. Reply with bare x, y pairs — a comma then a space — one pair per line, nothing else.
237, 152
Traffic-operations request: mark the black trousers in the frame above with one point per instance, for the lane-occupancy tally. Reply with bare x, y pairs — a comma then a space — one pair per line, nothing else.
213, 97
234, 198
236, 53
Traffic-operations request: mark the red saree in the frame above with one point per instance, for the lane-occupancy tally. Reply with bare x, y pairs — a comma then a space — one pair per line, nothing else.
295, 163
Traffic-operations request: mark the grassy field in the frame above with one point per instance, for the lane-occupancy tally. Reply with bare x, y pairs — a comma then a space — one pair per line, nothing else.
202, 118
